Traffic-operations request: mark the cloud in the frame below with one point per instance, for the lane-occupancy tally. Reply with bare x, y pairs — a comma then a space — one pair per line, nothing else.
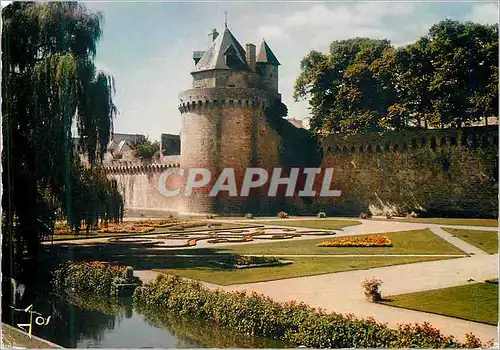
484, 13
271, 32
347, 16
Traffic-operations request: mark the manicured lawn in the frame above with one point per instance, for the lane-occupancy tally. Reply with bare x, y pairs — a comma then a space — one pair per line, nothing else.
404, 242
457, 302
300, 267
451, 221
326, 224
485, 240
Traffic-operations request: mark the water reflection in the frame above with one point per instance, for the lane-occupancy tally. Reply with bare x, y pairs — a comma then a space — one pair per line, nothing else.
96, 323
209, 334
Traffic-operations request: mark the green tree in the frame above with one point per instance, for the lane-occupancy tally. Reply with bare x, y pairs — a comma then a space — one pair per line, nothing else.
411, 74
49, 82
146, 150
451, 52
348, 88
465, 83
449, 78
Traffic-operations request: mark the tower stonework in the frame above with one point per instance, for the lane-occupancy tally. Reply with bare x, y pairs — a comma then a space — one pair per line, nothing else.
223, 121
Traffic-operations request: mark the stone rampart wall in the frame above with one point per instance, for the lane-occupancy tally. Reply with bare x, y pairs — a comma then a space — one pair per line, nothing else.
438, 172
452, 172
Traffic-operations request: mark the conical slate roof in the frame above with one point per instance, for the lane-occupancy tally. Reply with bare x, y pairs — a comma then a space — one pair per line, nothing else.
266, 55
215, 56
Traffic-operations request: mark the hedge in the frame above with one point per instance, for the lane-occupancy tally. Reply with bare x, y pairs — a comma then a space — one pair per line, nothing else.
294, 323
96, 279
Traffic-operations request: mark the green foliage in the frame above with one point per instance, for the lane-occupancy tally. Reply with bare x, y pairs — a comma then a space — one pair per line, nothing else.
49, 82
249, 260
146, 150
321, 215
91, 279
249, 216
297, 324
447, 78
94, 198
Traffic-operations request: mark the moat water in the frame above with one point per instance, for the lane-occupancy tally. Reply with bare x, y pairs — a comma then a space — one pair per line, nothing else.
104, 324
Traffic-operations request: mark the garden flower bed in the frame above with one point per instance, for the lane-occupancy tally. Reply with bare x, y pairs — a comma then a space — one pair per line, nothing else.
367, 241
245, 262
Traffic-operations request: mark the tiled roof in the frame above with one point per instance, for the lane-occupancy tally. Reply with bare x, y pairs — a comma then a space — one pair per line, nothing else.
266, 55
215, 56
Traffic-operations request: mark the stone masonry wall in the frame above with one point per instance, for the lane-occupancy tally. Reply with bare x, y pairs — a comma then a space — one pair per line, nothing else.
139, 186
437, 172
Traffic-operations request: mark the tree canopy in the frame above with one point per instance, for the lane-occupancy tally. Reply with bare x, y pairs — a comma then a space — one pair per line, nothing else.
49, 82
146, 150
447, 78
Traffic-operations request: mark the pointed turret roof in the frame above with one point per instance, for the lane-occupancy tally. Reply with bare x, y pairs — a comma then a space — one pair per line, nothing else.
266, 55
215, 56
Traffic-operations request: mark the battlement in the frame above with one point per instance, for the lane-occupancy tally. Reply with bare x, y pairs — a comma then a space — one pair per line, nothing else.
135, 168
214, 98
436, 139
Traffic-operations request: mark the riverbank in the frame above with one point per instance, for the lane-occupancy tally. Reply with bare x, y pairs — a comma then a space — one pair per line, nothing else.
13, 337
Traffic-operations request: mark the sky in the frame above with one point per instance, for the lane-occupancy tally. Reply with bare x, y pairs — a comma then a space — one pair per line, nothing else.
148, 46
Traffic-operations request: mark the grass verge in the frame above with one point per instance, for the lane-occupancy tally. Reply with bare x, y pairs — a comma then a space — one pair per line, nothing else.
450, 221
404, 242
459, 302
485, 240
300, 267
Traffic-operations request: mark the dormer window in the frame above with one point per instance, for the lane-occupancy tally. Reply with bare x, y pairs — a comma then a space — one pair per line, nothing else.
232, 59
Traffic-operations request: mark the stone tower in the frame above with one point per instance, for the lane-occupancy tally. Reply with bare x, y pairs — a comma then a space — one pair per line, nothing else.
223, 122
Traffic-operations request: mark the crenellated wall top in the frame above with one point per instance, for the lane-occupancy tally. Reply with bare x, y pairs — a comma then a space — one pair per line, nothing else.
471, 137
135, 168
213, 98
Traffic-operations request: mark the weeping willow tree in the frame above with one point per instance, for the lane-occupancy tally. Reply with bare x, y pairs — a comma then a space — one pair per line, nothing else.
49, 83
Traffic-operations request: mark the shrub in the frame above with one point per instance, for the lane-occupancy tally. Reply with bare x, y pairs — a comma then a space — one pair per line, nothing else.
321, 215
371, 289
249, 260
91, 278
367, 241
282, 215
388, 216
249, 216
295, 323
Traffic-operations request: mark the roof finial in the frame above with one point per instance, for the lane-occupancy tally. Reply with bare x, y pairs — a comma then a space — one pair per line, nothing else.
225, 19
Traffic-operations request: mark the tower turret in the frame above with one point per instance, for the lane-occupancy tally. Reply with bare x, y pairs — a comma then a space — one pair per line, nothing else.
267, 66
223, 123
